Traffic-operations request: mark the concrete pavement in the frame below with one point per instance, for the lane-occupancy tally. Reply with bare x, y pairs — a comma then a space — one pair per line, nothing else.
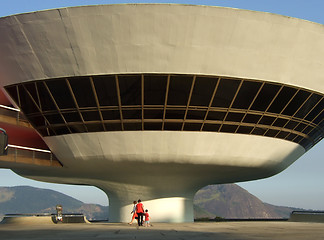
167, 231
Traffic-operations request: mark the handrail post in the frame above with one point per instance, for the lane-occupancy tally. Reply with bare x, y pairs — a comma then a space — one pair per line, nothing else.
34, 157
16, 154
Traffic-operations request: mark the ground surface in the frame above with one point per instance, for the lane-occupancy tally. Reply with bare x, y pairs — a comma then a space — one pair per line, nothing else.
166, 231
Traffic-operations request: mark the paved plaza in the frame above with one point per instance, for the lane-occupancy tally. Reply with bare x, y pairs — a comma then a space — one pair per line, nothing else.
169, 231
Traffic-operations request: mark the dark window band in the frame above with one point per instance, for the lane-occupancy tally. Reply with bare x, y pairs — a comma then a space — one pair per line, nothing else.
172, 103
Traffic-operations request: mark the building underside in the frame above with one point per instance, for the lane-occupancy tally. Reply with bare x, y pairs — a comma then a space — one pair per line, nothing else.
155, 101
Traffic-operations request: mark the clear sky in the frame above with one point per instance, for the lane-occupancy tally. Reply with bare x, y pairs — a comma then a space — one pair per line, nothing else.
301, 185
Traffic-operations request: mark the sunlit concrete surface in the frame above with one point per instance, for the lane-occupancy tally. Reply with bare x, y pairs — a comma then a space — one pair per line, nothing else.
223, 230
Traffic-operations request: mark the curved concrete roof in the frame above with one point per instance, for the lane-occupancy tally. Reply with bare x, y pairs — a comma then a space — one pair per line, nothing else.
162, 38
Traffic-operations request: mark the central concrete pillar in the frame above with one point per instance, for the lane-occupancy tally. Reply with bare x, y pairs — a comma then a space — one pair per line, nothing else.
161, 209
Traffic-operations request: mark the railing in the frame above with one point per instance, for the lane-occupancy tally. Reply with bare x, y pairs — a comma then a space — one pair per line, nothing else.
26, 155
13, 116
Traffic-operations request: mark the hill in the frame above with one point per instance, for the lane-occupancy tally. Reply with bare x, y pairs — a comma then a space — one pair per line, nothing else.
25, 199
232, 201
226, 201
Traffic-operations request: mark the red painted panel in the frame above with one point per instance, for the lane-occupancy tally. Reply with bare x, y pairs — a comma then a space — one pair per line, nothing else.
3, 99
23, 136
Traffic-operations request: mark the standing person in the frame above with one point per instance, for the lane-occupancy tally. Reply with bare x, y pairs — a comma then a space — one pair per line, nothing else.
147, 219
133, 212
140, 212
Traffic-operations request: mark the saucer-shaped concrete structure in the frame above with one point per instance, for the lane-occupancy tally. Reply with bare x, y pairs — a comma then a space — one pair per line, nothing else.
155, 101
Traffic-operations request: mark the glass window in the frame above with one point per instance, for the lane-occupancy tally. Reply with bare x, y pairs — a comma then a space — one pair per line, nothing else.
132, 114
228, 128
38, 121
174, 114
271, 133
315, 136
90, 116
215, 115
130, 89
61, 93
46, 101
153, 126
77, 128
179, 90
61, 130
225, 93
280, 122
72, 117
251, 118
196, 114
291, 124
45, 133
234, 117
267, 120
298, 139
95, 127
297, 101
54, 118
192, 126
154, 89
113, 126
321, 124
106, 90
258, 131
282, 134
309, 104
291, 136
267, 93
308, 129
244, 129
203, 91
83, 92
317, 110
246, 94
132, 126
282, 99
319, 118
171, 126
300, 127
153, 114
110, 115
31, 88
211, 127
27, 105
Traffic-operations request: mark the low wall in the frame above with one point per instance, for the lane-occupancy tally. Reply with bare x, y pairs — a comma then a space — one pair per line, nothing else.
41, 219
27, 220
307, 216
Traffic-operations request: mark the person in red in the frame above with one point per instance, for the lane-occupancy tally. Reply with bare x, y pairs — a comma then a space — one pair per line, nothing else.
147, 219
140, 212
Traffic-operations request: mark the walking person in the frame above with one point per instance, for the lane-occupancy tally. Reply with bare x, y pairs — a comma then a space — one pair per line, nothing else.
140, 212
134, 213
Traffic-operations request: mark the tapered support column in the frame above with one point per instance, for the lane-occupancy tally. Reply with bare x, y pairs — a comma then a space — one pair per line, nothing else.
169, 209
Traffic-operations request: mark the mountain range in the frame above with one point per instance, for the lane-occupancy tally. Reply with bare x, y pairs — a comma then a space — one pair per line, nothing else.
231, 201
214, 201
26, 199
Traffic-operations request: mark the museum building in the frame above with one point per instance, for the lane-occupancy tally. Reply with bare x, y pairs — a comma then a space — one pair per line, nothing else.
155, 101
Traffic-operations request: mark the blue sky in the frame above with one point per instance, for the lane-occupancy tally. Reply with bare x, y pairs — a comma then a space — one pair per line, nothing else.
301, 185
